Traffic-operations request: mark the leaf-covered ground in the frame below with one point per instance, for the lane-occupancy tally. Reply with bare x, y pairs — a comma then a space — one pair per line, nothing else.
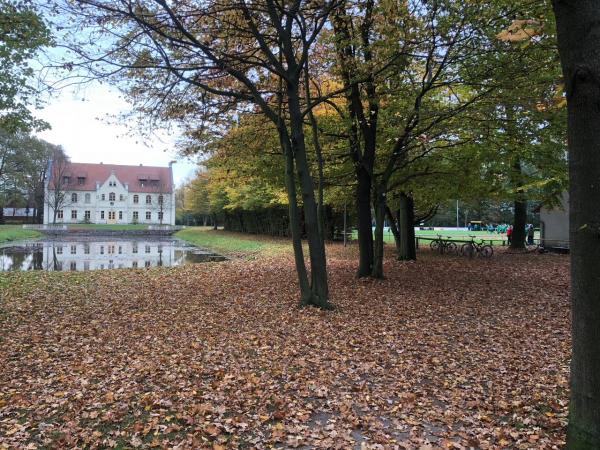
444, 353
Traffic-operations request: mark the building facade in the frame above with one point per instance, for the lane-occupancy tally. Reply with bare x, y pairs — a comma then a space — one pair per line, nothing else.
109, 194
554, 223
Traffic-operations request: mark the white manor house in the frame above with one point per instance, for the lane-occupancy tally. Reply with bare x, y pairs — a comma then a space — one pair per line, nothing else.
109, 194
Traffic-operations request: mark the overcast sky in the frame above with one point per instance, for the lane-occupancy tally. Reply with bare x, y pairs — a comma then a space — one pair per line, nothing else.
80, 126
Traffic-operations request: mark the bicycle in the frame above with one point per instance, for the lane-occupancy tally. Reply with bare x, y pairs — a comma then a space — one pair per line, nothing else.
471, 248
443, 246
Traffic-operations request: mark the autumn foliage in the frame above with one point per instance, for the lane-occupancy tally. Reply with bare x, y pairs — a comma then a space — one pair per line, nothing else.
446, 353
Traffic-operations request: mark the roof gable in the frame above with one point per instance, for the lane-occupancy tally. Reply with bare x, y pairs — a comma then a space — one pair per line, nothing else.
142, 179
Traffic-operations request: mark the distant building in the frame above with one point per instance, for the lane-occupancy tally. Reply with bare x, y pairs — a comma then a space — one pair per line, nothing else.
109, 194
555, 225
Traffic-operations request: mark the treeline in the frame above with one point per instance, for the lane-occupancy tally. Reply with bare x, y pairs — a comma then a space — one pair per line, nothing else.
24, 162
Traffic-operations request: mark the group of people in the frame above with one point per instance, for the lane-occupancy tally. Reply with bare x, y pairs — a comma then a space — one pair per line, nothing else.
529, 233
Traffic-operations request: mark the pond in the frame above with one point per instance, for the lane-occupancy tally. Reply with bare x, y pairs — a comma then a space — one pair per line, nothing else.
97, 253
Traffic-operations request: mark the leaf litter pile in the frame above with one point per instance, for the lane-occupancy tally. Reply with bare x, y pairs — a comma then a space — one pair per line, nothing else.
443, 353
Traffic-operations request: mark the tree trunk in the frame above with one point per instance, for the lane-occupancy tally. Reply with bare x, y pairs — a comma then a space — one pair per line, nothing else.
520, 220
394, 228
578, 27
406, 222
316, 243
365, 223
379, 204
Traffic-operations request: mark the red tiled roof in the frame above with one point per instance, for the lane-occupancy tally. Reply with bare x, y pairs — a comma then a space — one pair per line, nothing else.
131, 175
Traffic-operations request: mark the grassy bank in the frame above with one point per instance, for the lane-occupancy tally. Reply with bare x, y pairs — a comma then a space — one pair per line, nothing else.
235, 244
9, 233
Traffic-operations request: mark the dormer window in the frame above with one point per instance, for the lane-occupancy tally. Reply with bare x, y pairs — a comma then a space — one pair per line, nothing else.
80, 181
66, 179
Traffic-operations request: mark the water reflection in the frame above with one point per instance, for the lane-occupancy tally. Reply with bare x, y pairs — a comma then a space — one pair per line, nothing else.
96, 254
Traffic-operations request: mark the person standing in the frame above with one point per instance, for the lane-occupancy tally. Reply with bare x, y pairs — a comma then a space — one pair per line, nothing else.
509, 231
530, 233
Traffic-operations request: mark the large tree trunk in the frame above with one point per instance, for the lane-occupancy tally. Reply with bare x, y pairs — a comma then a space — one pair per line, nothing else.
406, 222
380, 205
316, 243
578, 26
520, 220
364, 223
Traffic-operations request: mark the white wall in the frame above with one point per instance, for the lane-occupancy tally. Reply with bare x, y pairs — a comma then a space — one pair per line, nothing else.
555, 224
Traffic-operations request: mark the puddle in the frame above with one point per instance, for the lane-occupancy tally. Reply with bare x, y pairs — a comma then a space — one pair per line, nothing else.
98, 253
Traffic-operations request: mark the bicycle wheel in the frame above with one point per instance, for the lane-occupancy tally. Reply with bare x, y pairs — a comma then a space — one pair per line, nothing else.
451, 247
467, 250
434, 245
486, 251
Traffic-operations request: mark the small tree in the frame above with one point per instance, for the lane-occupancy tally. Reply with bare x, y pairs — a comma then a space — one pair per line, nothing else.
58, 184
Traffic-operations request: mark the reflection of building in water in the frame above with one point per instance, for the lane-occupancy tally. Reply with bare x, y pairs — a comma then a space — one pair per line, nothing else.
109, 255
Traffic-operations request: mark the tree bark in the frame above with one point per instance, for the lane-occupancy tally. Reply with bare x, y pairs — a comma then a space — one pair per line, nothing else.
519, 221
378, 245
578, 29
316, 243
406, 222
364, 223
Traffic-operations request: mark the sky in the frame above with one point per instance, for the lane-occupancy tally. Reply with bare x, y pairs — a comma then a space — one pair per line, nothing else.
81, 122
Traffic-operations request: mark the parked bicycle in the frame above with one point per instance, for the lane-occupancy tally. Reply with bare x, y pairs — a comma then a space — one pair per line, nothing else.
476, 248
443, 245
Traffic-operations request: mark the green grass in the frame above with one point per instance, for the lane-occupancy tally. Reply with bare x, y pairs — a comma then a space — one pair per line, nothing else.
9, 233
228, 243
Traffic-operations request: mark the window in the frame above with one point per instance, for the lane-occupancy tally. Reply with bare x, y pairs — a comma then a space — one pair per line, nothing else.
121, 197
147, 264
147, 249
120, 250
103, 197
148, 215
86, 249
102, 249
66, 179
111, 197
59, 214
73, 249
160, 199
87, 215
73, 266
120, 215
73, 198
73, 214
110, 249
88, 198
81, 181
111, 215
86, 265
134, 264
112, 183
148, 199
136, 215
136, 198
102, 214
160, 215
59, 250
134, 248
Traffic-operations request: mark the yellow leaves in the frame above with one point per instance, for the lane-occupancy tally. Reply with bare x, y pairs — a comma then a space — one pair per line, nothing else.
520, 30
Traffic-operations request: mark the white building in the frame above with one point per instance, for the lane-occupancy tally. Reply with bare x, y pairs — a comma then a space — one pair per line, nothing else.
555, 224
109, 194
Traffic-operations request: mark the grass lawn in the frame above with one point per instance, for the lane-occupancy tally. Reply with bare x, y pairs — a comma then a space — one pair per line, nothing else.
234, 244
443, 353
9, 233
459, 235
